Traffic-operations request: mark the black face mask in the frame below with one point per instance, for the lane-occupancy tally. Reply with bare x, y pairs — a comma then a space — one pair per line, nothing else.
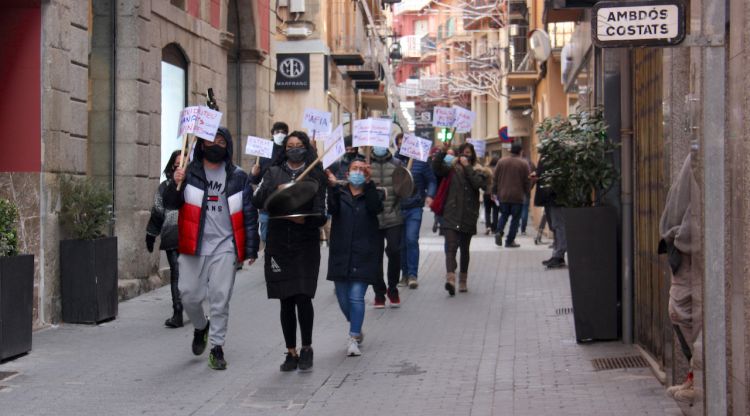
214, 154
296, 154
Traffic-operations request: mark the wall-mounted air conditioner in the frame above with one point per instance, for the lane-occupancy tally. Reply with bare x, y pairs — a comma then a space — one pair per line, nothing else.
297, 6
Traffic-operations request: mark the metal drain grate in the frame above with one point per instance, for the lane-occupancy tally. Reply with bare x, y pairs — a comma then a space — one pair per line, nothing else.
563, 311
613, 363
7, 374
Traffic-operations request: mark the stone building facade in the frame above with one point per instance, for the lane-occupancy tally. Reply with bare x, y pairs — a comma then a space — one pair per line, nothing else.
94, 108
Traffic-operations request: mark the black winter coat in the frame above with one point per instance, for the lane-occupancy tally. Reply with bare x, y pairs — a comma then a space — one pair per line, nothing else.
292, 253
543, 196
461, 209
163, 222
355, 250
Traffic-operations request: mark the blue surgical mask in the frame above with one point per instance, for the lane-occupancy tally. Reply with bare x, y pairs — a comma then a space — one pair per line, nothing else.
380, 151
278, 138
357, 179
448, 159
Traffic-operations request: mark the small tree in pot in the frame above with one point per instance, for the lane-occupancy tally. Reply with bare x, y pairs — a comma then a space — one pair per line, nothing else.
579, 171
16, 287
88, 261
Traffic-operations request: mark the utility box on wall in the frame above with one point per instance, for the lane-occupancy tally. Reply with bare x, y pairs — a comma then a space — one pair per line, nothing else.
297, 6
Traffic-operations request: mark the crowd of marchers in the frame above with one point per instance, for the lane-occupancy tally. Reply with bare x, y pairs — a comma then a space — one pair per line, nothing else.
211, 216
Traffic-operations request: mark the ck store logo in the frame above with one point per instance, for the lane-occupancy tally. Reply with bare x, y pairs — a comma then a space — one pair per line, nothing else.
292, 67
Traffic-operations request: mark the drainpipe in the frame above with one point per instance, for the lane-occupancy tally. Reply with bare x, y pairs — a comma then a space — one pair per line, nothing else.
626, 195
113, 114
712, 100
238, 83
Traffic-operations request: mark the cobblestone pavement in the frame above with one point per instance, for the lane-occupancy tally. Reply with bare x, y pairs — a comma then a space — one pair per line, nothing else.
499, 349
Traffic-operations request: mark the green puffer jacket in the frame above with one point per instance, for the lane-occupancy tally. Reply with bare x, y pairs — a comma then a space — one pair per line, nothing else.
461, 209
382, 175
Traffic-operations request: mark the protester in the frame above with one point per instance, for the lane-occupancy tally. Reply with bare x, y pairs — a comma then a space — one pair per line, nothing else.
450, 154
460, 209
340, 168
218, 229
511, 186
292, 254
488, 199
278, 132
412, 207
353, 262
163, 223
391, 227
678, 226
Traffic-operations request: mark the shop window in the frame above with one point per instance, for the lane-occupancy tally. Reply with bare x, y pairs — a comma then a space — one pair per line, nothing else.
174, 67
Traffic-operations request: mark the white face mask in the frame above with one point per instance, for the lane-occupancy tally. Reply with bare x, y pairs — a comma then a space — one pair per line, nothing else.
278, 138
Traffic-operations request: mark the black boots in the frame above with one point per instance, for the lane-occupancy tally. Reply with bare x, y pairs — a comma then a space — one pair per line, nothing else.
176, 320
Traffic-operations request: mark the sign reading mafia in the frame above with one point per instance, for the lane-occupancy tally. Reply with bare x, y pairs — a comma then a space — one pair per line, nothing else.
292, 71
618, 24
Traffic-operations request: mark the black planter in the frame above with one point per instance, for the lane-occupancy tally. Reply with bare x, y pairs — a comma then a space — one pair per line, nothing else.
16, 304
592, 259
88, 280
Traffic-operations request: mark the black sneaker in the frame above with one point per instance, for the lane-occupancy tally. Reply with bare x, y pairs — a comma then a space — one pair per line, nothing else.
512, 245
216, 358
499, 239
546, 262
200, 339
305, 359
555, 263
290, 363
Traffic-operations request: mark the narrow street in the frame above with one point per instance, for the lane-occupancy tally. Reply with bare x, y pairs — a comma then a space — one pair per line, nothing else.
500, 349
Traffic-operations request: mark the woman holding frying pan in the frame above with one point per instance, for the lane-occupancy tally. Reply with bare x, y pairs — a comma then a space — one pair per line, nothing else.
292, 253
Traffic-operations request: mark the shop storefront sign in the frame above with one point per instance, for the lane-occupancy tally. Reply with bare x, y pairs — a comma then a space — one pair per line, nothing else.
292, 71
617, 24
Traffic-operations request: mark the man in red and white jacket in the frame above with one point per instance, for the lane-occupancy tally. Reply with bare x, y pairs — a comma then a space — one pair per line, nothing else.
218, 229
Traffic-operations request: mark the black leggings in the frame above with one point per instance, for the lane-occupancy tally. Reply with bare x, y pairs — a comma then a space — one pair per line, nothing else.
289, 319
172, 256
455, 240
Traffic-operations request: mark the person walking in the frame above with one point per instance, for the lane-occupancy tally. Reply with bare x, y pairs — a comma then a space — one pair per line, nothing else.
488, 199
412, 208
527, 198
545, 197
278, 132
354, 254
460, 210
218, 229
391, 228
511, 186
163, 223
292, 253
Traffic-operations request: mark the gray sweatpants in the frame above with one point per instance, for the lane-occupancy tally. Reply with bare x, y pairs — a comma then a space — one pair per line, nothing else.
213, 276
557, 223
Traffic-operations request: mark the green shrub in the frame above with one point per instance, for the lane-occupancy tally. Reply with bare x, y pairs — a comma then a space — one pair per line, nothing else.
577, 157
8, 235
85, 207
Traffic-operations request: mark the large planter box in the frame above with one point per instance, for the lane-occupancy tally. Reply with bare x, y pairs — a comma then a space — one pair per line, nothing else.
593, 270
88, 280
16, 305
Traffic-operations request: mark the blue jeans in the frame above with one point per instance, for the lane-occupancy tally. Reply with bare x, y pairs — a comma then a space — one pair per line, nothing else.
513, 211
351, 297
524, 216
410, 244
263, 220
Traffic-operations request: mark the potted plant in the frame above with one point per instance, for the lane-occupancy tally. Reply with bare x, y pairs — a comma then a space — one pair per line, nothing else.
578, 168
16, 287
88, 261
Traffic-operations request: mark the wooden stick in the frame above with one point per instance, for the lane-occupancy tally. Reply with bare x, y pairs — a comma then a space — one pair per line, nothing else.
183, 156
410, 164
368, 150
312, 165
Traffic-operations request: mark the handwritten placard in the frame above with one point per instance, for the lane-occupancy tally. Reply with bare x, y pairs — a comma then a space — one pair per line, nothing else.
317, 121
415, 147
200, 121
443, 117
336, 140
372, 132
463, 120
480, 146
257, 146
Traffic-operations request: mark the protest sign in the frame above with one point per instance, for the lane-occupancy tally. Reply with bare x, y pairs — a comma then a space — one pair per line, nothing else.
415, 147
336, 140
443, 117
316, 121
257, 146
480, 146
200, 121
463, 119
372, 132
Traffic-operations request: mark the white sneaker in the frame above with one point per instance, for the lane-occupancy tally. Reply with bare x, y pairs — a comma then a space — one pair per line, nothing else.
353, 350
